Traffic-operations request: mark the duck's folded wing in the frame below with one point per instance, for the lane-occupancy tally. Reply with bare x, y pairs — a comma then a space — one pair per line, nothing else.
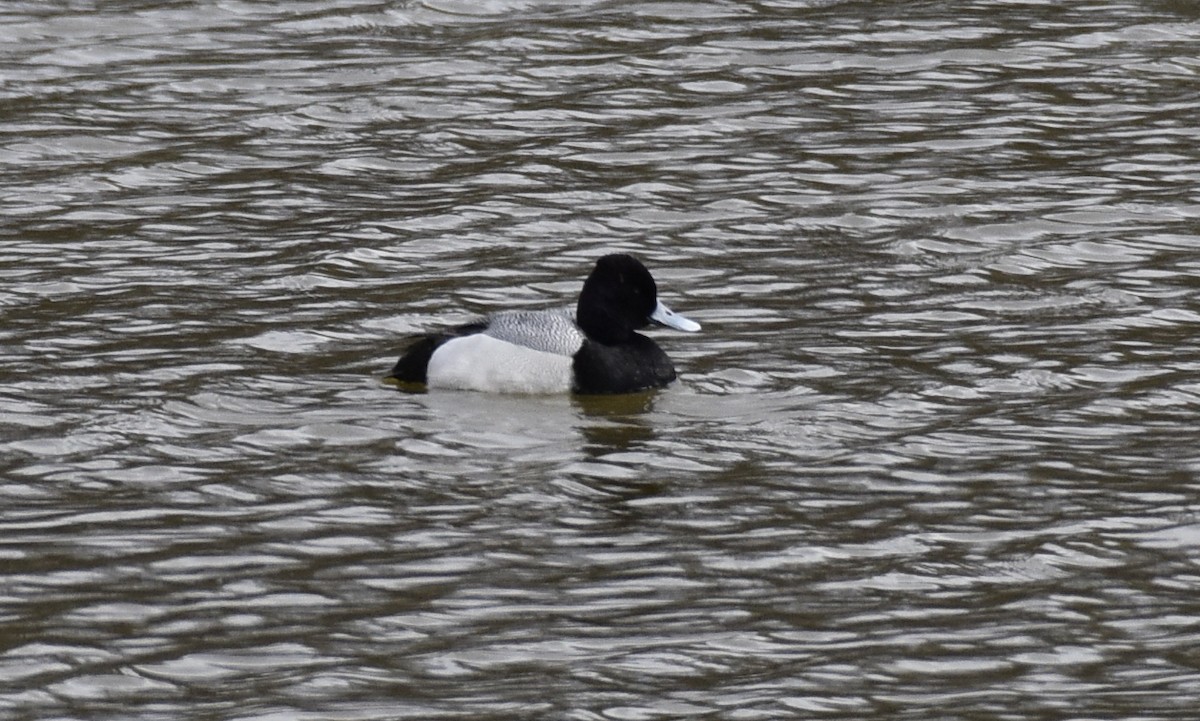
549, 331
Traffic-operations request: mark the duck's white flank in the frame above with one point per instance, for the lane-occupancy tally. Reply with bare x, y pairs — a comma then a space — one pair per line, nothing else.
480, 362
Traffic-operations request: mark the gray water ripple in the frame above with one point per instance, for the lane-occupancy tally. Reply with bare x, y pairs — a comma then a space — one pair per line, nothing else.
931, 455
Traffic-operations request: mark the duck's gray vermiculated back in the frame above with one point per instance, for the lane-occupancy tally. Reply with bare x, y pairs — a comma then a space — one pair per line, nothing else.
551, 331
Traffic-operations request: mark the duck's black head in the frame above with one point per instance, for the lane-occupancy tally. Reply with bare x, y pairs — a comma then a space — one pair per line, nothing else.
617, 299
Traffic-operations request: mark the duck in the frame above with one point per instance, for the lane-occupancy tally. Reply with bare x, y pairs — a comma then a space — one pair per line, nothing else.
597, 350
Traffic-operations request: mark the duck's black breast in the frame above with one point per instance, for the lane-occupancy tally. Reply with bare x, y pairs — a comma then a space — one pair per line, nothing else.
634, 365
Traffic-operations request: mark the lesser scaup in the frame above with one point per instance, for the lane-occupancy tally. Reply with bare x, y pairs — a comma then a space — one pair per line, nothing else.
548, 351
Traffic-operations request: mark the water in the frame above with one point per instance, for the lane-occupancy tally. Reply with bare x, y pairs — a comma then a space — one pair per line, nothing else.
933, 456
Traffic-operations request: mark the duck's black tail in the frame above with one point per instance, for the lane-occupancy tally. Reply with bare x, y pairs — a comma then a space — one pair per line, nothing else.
412, 366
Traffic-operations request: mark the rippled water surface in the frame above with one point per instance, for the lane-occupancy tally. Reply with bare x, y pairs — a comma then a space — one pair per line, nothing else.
934, 455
